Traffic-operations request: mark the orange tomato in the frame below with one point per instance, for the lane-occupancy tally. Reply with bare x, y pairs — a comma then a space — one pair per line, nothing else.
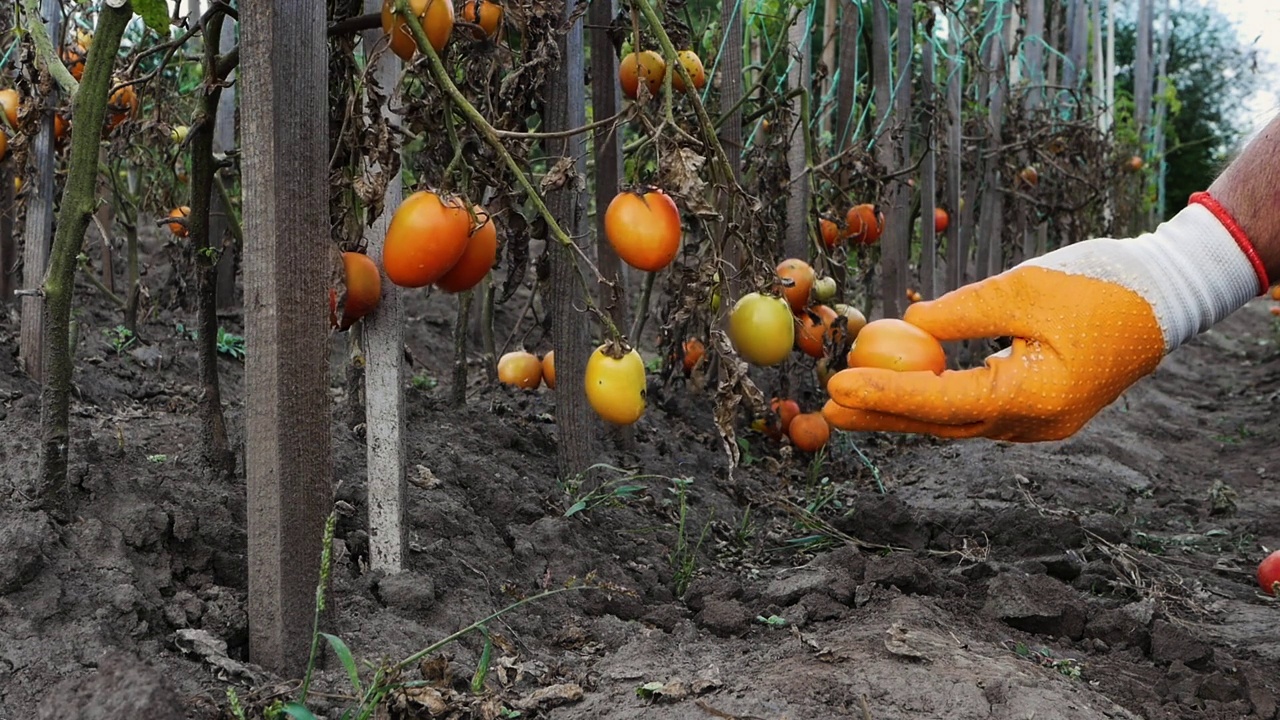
1029, 176
488, 15
830, 233
1275, 292
694, 350
10, 102
809, 432
648, 65
692, 65
815, 326
520, 368
477, 259
426, 238
941, 220
549, 369
4, 146
436, 17
864, 223
60, 126
1275, 310
644, 229
786, 410
895, 344
363, 291
122, 105
1136, 163
74, 60
801, 277
179, 229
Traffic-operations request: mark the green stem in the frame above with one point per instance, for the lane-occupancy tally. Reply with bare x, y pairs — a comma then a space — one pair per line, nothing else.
233, 222
46, 54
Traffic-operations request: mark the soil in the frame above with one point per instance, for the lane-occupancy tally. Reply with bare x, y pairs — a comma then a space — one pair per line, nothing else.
1106, 576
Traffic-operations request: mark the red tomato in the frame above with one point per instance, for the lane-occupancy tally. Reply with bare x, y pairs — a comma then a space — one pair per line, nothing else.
1269, 573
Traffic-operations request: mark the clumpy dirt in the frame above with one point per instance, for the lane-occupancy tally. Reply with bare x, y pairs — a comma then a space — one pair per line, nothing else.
1106, 576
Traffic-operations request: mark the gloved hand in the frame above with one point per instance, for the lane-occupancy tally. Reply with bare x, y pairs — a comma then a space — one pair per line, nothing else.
1087, 321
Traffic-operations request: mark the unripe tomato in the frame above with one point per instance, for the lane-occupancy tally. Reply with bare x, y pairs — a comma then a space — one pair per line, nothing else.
488, 15
363, 290
644, 229
692, 65
813, 328
10, 102
864, 223
648, 65
830, 233
824, 288
693, 352
179, 229
549, 369
801, 277
477, 259
426, 238
436, 17
895, 344
122, 105
809, 432
1269, 573
941, 220
520, 368
854, 319
616, 386
762, 329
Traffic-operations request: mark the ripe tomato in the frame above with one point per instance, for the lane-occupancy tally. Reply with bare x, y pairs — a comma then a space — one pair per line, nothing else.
914, 295
830, 233
1269, 573
1029, 176
644, 229
692, 65
436, 17
520, 368
648, 65
864, 223
809, 432
426, 238
895, 344
814, 326
363, 290
1136, 163
1275, 292
854, 319
122, 105
477, 259
60, 126
549, 369
4, 150
786, 410
488, 15
801, 277
73, 58
941, 220
616, 386
10, 102
179, 229
694, 350
762, 329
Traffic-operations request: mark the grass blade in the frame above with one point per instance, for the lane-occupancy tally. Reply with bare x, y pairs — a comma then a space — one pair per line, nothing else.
348, 661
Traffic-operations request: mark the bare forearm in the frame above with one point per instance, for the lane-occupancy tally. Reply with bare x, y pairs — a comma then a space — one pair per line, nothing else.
1249, 189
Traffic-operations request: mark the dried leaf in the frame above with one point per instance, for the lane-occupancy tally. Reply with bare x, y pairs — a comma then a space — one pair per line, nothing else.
551, 696
734, 387
563, 173
682, 178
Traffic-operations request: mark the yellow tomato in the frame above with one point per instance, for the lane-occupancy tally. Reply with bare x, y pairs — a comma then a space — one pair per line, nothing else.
762, 329
616, 386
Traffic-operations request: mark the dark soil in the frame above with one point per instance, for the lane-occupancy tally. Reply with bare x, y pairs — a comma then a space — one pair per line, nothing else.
1107, 576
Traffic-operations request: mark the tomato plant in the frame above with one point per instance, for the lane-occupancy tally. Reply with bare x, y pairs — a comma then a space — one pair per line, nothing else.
427, 236
762, 329
520, 368
895, 344
616, 386
643, 228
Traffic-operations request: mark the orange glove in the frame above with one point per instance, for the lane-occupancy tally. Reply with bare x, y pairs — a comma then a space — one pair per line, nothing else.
1087, 321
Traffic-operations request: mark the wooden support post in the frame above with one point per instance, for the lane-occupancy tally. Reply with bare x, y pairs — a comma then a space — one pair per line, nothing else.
224, 141
612, 289
287, 272
8, 221
796, 241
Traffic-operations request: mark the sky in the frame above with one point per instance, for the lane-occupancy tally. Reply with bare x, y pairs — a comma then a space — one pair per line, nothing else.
1258, 20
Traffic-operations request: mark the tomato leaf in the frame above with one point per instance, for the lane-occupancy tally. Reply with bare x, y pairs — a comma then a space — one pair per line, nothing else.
155, 13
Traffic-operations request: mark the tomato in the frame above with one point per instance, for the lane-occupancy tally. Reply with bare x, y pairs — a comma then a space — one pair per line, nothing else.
436, 17
1029, 176
864, 223
694, 350
895, 344
616, 386
786, 410
1269, 573
941, 220
488, 15
830, 233
1275, 292
692, 65
1274, 310
4, 150
10, 102
824, 372
814, 327
644, 229
801, 277
914, 295
809, 432
122, 105
1136, 163
824, 288
762, 329
363, 289
74, 60
179, 229
59, 128
648, 65
426, 238
477, 259
549, 369
521, 369
854, 319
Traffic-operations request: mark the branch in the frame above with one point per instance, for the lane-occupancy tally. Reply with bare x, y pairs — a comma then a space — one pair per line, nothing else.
356, 24
564, 133
227, 63
45, 53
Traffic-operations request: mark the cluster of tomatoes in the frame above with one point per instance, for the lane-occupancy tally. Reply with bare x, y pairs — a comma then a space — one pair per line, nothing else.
614, 380
649, 66
437, 19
